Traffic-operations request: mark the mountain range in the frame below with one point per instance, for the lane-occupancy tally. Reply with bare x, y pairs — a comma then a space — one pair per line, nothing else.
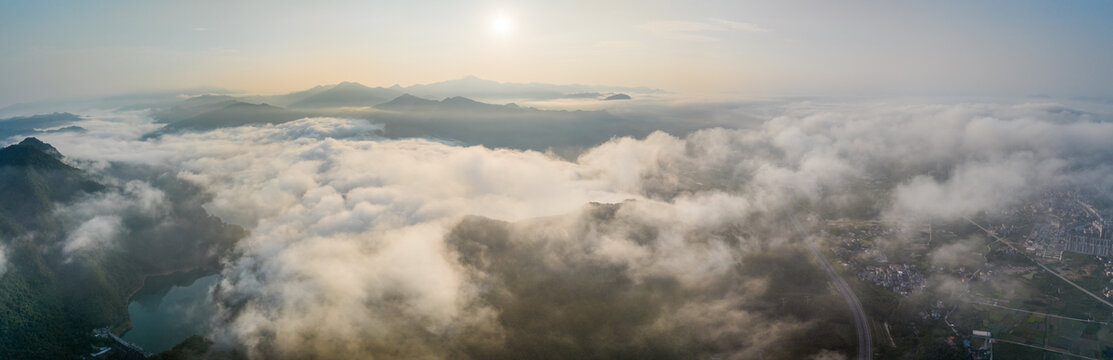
38, 124
411, 103
352, 94
232, 114
341, 95
210, 112
474, 87
346, 94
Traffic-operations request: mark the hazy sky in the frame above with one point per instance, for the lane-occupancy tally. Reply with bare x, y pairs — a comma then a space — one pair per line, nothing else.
1010, 48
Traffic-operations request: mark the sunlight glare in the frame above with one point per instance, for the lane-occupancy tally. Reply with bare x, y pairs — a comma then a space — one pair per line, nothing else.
502, 25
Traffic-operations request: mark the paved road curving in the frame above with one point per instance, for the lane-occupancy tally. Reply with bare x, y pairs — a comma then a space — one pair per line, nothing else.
865, 340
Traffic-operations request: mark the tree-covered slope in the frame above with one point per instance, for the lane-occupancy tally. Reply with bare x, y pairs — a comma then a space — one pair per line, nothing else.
51, 295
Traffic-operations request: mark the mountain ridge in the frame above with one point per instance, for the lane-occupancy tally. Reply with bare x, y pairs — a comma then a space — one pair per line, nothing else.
410, 103
346, 94
235, 114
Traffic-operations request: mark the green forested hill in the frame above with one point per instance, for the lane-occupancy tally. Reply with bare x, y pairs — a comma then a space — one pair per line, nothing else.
50, 300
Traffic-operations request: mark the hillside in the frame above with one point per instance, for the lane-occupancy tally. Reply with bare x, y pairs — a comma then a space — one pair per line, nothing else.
51, 297
34, 314
32, 179
232, 115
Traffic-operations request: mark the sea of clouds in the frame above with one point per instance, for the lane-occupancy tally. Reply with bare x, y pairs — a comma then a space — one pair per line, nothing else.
416, 248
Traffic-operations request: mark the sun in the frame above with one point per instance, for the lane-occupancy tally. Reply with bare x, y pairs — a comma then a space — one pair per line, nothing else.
502, 25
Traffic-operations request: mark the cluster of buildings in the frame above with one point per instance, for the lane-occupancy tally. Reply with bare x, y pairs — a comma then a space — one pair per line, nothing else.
900, 278
936, 312
854, 246
1089, 245
1067, 223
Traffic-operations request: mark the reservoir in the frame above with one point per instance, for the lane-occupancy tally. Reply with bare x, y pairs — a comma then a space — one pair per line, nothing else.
169, 309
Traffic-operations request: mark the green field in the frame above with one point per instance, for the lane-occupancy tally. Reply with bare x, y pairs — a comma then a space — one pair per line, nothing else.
1044, 293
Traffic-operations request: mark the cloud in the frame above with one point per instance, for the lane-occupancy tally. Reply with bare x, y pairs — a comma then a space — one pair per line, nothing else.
341, 224
420, 249
3, 259
960, 253
741, 26
97, 232
827, 355
972, 188
697, 31
96, 222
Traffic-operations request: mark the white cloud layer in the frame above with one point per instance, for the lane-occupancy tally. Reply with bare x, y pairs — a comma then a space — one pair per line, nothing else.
96, 222
347, 252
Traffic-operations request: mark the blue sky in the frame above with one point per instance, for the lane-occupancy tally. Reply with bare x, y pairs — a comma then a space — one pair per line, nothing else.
762, 48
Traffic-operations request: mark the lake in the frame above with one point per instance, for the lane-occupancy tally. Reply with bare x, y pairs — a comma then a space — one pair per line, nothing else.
170, 309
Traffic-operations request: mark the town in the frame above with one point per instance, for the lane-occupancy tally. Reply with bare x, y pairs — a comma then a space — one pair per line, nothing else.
1023, 280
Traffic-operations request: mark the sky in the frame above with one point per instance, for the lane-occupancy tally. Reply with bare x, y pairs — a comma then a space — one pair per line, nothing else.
365, 239
57, 49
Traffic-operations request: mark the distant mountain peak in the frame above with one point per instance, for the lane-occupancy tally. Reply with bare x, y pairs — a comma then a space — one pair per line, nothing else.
350, 85
476, 80
407, 102
41, 146
347, 94
459, 100
33, 141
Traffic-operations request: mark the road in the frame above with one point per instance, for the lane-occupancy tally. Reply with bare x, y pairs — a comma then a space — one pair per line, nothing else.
865, 340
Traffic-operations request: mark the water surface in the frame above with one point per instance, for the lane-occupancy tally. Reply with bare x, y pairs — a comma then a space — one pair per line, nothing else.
170, 309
